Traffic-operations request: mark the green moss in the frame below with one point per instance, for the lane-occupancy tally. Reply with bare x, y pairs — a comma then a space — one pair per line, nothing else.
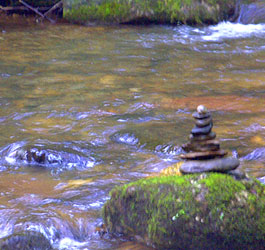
151, 11
163, 209
222, 188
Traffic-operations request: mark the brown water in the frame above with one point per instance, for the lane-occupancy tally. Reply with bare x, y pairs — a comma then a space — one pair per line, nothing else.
109, 105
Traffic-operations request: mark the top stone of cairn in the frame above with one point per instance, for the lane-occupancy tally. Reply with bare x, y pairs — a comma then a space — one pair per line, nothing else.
202, 109
201, 113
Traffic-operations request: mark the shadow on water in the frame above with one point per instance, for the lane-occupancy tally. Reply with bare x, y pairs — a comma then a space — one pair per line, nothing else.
86, 108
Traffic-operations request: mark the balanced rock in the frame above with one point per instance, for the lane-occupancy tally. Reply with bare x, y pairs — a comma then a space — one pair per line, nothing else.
198, 115
202, 130
203, 150
222, 165
202, 146
203, 122
209, 136
203, 155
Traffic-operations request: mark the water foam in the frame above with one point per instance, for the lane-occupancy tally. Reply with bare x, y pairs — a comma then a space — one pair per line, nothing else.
68, 243
228, 30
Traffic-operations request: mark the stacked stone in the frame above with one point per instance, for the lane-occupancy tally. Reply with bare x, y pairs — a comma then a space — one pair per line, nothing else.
204, 152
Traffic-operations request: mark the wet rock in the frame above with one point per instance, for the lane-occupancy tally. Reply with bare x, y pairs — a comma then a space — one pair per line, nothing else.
203, 155
238, 174
31, 155
151, 136
202, 146
209, 136
202, 130
56, 160
216, 165
257, 155
203, 122
252, 13
25, 241
198, 115
125, 137
222, 213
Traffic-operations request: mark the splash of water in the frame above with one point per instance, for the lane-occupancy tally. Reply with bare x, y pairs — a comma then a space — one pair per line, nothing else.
228, 30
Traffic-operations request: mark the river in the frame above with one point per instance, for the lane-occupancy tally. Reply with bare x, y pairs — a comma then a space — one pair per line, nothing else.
103, 106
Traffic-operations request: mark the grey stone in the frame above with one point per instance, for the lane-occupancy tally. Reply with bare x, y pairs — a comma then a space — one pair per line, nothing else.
202, 146
201, 109
203, 155
197, 115
203, 122
252, 13
27, 240
202, 131
238, 174
210, 136
216, 165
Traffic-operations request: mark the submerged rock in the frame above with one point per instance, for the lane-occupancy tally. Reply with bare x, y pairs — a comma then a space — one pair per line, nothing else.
32, 155
206, 211
257, 155
151, 136
56, 158
25, 241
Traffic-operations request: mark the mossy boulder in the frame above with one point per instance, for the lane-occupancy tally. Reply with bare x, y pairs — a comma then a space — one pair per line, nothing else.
149, 11
206, 211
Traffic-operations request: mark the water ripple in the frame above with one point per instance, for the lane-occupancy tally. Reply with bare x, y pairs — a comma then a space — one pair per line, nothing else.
58, 159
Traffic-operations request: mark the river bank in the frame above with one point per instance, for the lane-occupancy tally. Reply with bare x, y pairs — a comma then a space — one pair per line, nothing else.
175, 12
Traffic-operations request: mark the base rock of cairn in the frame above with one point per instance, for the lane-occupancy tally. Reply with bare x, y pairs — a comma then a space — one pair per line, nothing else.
203, 150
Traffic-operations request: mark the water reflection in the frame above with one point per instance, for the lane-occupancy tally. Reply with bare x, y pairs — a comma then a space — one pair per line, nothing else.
86, 108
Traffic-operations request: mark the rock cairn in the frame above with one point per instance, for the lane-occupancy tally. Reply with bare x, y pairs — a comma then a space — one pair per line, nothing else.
203, 150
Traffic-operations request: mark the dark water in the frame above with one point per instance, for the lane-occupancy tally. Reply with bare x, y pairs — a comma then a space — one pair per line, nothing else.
102, 106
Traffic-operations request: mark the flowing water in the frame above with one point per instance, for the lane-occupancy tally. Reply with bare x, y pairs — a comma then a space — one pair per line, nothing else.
86, 108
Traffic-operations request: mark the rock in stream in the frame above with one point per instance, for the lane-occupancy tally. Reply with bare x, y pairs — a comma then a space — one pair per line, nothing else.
199, 211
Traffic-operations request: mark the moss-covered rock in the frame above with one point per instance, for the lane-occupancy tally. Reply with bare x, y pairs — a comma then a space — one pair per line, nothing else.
207, 211
149, 11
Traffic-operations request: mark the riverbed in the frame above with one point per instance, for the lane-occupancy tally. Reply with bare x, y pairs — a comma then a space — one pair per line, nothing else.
110, 105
